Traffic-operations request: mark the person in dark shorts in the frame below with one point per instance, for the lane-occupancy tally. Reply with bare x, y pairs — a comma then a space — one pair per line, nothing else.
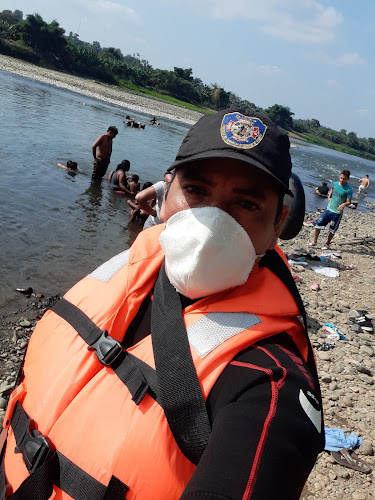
101, 151
339, 197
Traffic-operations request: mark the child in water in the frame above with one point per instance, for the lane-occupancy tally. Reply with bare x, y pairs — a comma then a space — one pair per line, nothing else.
71, 166
134, 186
137, 214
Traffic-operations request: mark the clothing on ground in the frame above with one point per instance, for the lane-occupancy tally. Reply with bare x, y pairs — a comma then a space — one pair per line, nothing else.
336, 440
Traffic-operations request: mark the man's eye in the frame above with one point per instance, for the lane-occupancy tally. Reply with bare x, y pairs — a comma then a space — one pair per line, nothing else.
248, 205
191, 189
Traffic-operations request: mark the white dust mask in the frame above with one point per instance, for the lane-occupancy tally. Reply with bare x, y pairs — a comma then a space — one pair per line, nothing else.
206, 251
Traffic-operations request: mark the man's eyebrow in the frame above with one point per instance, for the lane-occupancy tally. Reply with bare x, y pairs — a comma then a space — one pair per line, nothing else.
194, 175
254, 192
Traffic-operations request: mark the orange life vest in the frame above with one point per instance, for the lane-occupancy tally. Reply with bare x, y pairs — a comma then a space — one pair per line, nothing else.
84, 409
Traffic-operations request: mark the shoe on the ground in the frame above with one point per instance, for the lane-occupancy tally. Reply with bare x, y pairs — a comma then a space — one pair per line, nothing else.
362, 312
312, 244
326, 246
356, 328
364, 322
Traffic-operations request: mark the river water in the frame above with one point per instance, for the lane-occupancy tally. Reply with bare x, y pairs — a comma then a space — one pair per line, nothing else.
55, 228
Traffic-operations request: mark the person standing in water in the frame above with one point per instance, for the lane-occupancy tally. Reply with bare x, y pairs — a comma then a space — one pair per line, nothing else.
101, 151
363, 185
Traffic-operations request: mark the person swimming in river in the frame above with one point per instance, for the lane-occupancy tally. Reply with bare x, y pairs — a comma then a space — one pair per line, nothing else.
130, 122
71, 166
154, 121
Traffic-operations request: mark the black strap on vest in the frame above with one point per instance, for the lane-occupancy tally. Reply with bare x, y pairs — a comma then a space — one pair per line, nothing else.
179, 389
138, 376
274, 262
49, 467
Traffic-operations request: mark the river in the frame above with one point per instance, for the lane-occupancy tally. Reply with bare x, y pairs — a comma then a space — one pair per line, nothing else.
54, 227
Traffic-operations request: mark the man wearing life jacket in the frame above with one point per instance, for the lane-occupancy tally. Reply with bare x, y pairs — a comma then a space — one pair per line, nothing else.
181, 368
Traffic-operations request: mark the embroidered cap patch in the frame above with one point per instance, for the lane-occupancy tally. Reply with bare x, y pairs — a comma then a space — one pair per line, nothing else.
242, 131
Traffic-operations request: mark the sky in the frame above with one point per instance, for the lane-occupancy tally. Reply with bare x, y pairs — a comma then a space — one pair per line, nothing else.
315, 56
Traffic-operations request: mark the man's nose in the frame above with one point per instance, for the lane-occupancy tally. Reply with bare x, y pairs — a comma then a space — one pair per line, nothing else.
224, 205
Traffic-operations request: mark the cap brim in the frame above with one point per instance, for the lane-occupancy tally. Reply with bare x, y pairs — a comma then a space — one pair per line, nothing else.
230, 155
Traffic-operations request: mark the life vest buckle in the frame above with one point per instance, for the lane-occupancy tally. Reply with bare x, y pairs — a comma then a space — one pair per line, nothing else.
106, 348
35, 449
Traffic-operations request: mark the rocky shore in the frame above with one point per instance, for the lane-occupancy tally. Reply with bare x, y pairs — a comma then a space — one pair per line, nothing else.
101, 91
346, 370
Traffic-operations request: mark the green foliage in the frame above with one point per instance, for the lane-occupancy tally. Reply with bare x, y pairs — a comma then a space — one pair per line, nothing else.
46, 38
281, 115
338, 147
9, 24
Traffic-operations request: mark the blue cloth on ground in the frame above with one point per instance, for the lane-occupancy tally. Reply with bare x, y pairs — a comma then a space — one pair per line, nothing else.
336, 440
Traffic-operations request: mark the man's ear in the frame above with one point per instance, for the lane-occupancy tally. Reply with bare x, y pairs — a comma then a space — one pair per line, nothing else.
279, 226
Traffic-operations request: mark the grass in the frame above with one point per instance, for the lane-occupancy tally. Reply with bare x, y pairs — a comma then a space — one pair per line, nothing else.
127, 85
338, 147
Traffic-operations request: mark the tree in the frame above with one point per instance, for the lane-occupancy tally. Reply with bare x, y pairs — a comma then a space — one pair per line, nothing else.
47, 38
18, 14
96, 47
314, 123
281, 115
220, 98
112, 53
184, 74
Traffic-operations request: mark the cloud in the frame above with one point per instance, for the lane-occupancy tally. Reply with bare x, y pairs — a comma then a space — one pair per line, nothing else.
108, 7
349, 58
305, 21
264, 68
362, 112
332, 83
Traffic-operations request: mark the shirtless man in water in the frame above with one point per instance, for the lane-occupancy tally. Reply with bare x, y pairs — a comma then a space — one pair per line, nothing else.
363, 184
101, 151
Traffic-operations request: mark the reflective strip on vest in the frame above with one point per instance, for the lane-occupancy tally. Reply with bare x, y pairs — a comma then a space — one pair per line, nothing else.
110, 268
216, 327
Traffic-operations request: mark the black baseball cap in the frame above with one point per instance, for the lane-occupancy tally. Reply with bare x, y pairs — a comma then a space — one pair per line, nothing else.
239, 134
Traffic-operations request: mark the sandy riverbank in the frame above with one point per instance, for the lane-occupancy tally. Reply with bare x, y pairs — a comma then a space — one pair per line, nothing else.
103, 92
346, 371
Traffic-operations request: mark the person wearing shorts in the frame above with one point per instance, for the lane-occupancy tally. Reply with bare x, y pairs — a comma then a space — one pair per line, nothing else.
101, 151
339, 197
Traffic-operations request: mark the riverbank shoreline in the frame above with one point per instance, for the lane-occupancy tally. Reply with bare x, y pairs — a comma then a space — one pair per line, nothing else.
346, 371
100, 91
